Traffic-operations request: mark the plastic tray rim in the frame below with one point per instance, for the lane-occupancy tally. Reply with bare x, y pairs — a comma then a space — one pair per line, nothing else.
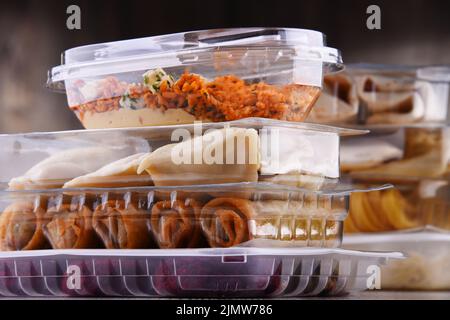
207, 252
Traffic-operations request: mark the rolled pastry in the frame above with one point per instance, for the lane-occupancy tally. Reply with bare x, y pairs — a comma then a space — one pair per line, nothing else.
70, 227
176, 224
122, 226
225, 221
120, 173
221, 156
21, 227
60, 167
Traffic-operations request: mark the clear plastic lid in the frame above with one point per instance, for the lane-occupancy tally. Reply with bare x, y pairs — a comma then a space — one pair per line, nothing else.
431, 73
189, 48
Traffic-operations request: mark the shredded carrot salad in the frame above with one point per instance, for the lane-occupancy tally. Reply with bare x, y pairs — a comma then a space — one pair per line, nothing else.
223, 99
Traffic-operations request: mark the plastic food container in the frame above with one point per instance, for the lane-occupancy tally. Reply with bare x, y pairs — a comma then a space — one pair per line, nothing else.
409, 206
236, 272
398, 154
224, 215
416, 159
211, 75
427, 263
383, 94
247, 150
210, 185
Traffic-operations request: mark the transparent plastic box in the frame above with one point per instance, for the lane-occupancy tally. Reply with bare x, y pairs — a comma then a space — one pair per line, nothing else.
384, 94
427, 258
173, 187
224, 215
247, 150
236, 272
399, 154
210, 75
408, 206
416, 160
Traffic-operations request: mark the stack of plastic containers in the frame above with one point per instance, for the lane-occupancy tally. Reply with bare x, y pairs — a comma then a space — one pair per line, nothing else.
195, 176
406, 110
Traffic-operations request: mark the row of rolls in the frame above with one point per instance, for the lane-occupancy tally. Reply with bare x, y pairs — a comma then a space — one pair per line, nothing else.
189, 222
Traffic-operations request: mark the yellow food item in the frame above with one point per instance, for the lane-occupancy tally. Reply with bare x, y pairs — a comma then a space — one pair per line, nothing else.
378, 211
396, 209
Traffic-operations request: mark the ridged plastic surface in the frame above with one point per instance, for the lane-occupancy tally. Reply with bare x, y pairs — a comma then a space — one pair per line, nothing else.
192, 274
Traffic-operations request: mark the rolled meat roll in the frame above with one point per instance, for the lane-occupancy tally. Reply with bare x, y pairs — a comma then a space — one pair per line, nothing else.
224, 221
21, 227
70, 227
176, 224
122, 226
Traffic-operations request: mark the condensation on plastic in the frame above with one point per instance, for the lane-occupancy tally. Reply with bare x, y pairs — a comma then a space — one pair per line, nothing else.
427, 258
173, 217
367, 94
188, 273
297, 147
213, 75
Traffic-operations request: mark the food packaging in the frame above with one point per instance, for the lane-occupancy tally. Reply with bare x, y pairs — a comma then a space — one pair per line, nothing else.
252, 182
247, 150
210, 76
201, 216
419, 204
232, 272
427, 258
398, 153
416, 160
367, 94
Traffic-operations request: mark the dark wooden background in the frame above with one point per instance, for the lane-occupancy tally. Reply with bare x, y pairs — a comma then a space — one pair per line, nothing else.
33, 34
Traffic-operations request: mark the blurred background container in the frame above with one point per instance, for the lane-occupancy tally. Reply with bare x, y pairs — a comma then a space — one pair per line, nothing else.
33, 34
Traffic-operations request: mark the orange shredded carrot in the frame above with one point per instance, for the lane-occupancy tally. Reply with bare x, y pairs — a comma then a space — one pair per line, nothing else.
223, 99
